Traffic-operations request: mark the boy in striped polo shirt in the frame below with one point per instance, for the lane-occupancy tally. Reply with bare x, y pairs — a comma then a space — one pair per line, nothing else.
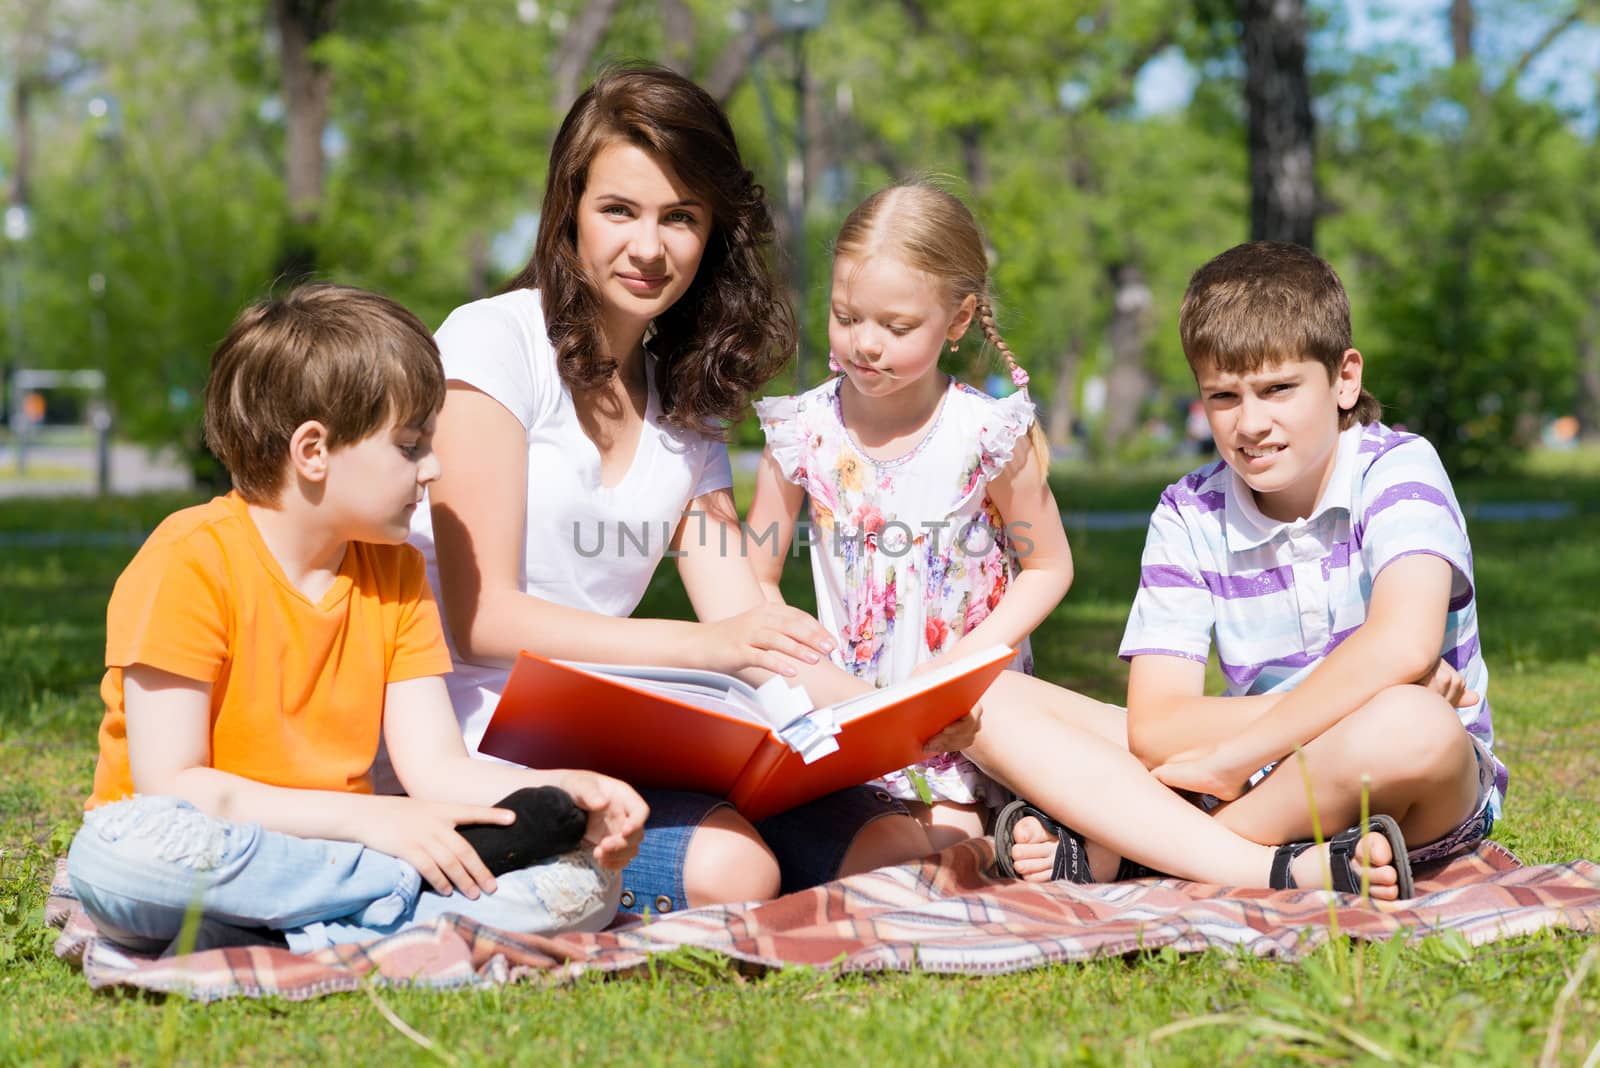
1327, 557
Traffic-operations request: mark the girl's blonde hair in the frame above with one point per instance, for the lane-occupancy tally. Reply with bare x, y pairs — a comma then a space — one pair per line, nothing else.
933, 232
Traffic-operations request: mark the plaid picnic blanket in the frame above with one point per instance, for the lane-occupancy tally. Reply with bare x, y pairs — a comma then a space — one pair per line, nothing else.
940, 914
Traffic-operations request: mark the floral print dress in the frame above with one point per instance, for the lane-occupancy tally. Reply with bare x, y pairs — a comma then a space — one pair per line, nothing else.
907, 554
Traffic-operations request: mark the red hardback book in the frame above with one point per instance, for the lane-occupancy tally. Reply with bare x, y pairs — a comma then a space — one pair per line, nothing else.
711, 733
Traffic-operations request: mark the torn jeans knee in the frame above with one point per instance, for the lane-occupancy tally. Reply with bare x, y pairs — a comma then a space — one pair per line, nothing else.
168, 828
138, 866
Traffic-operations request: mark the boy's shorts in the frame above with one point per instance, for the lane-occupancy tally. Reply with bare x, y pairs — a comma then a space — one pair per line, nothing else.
1467, 834
1472, 830
810, 842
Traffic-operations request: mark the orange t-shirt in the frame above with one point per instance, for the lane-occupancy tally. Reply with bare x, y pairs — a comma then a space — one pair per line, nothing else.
297, 688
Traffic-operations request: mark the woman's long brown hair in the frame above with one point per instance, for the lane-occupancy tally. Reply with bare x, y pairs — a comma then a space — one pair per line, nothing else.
732, 330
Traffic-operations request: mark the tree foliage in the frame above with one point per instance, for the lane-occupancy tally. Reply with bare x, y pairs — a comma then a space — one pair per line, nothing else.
1457, 200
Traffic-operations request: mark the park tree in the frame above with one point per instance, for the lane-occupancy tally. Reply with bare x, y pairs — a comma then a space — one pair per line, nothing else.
1280, 132
1586, 405
307, 86
146, 234
1265, 46
1032, 105
1458, 202
275, 49
157, 201
40, 55
1470, 267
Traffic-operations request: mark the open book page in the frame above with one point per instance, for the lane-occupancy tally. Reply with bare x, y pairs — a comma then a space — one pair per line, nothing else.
867, 703
710, 690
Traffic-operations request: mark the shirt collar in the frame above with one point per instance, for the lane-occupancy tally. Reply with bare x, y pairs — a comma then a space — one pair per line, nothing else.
1247, 527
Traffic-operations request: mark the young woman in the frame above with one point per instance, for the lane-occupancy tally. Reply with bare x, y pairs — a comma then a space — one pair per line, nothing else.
582, 432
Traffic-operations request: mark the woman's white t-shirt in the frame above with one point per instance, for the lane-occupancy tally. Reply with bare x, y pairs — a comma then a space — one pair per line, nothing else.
587, 545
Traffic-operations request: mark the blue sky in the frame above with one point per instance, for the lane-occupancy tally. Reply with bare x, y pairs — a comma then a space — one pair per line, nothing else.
1567, 71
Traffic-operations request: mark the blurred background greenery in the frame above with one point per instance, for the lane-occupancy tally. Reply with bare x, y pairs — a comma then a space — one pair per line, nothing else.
167, 161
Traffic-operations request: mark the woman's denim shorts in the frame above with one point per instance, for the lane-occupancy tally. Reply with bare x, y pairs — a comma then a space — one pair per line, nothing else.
810, 842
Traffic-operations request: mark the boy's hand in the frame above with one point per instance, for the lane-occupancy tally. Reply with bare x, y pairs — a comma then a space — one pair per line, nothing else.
771, 637
958, 736
616, 816
1447, 682
423, 834
1207, 770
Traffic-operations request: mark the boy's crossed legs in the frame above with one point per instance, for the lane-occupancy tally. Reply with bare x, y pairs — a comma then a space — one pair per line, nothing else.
139, 866
1068, 754
1422, 769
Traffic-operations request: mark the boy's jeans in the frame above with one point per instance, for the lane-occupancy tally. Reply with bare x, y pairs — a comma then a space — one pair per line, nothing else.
137, 866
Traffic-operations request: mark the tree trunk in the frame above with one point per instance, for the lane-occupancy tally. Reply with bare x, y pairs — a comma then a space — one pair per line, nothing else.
22, 137
678, 32
1587, 408
582, 38
1063, 400
477, 265
1128, 335
1462, 20
307, 86
973, 158
1283, 185
733, 62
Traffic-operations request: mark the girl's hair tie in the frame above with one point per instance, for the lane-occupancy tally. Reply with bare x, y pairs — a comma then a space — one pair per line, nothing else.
1019, 377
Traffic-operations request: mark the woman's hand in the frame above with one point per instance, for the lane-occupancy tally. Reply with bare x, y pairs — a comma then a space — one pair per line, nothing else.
772, 637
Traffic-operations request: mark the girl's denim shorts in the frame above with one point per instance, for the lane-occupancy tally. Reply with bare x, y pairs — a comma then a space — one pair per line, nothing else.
810, 842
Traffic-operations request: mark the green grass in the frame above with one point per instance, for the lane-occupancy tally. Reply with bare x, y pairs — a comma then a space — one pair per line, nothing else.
1441, 1003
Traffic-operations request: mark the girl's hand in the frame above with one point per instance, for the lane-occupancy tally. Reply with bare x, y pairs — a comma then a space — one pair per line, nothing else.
616, 816
956, 737
423, 834
771, 637
1447, 682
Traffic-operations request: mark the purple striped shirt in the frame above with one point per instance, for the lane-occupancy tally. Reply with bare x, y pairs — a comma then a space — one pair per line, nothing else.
1277, 598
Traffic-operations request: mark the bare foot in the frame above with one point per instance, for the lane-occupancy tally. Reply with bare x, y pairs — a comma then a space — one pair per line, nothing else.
1033, 853
1033, 850
1373, 853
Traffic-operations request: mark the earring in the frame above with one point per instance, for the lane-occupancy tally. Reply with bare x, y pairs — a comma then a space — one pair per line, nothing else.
833, 363
955, 346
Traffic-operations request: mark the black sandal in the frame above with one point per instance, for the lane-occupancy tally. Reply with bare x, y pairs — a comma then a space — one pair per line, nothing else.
1071, 859
1072, 855
1341, 853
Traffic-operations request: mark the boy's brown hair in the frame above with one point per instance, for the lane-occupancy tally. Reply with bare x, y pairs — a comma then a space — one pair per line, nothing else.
354, 361
1266, 301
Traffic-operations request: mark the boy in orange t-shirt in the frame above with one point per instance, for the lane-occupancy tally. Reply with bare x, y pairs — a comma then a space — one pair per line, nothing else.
258, 644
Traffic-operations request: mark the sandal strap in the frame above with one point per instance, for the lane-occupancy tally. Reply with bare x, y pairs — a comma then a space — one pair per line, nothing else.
1280, 877
1131, 869
1342, 851
1072, 854
1071, 859
1341, 857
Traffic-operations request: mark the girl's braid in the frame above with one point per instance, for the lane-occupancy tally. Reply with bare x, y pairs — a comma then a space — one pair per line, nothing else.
1019, 377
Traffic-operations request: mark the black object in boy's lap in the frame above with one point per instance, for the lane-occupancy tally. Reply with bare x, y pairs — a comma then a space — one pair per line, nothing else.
548, 824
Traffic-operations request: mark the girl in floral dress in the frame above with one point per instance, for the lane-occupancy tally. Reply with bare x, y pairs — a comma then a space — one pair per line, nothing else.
932, 528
